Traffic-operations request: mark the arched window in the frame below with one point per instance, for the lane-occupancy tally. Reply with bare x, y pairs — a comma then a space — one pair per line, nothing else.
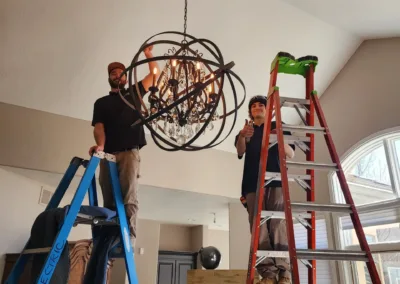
372, 170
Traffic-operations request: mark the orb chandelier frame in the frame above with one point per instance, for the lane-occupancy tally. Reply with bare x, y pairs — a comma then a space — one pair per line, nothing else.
188, 91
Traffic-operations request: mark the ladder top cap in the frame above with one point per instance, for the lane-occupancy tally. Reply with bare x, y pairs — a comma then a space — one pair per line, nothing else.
288, 64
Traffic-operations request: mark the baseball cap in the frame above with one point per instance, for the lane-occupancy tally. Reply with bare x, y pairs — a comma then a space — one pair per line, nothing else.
115, 65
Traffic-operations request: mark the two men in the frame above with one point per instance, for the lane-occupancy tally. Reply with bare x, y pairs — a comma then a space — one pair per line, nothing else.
273, 233
112, 120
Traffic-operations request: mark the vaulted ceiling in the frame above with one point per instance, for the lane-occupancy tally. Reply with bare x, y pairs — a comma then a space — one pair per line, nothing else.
368, 19
54, 54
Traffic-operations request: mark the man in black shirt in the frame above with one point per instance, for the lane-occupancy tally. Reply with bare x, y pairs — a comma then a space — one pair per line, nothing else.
273, 233
112, 120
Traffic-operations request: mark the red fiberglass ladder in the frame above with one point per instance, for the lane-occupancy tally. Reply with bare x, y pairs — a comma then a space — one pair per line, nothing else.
304, 212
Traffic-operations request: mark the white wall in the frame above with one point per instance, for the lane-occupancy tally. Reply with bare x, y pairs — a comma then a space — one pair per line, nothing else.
148, 239
220, 240
157, 167
175, 238
239, 236
19, 207
18, 212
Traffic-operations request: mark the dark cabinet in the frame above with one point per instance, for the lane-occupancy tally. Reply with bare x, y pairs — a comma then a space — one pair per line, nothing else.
173, 267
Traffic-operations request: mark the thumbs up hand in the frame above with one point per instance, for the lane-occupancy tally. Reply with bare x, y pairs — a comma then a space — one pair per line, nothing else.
248, 130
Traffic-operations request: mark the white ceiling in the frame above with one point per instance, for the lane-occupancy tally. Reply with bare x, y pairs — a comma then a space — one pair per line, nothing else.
55, 53
365, 18
164, 205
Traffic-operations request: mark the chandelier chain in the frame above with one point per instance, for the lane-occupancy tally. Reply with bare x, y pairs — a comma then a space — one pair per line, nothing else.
185, 20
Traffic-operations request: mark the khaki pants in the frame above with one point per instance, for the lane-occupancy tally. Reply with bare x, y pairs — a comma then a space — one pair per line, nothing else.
128, 165
272, 233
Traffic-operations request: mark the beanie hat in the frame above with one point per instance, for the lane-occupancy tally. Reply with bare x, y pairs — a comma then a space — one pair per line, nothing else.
258, 99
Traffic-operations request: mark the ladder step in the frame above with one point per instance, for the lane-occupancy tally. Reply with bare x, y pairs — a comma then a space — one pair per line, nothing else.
288, 138
281, 215
301, 128
317, 254
311, 165
291, 177
36, 250
308, 206
291, 102
305, 207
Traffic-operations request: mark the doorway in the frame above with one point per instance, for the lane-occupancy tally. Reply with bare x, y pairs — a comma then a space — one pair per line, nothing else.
173, 266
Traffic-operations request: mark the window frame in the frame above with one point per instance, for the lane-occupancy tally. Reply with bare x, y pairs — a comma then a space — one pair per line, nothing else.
388, 137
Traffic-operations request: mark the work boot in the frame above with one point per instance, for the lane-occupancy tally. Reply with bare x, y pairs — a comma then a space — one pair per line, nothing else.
267, 281
284, 280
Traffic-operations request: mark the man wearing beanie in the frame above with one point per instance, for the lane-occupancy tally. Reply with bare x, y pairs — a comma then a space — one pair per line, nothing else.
273, 232
112, 120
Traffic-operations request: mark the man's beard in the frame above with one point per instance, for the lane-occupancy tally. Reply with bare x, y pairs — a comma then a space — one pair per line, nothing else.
115, 85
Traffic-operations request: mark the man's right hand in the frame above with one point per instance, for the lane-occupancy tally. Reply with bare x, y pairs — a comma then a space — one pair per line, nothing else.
247, 131
95, 149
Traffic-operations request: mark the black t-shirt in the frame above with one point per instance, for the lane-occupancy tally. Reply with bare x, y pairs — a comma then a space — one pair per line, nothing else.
252, 160
117, 118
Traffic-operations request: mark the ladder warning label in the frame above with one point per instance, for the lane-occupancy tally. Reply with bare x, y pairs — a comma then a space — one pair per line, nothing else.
51, 263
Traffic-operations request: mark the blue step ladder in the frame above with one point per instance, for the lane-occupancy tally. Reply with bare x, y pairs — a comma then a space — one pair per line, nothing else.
87, 184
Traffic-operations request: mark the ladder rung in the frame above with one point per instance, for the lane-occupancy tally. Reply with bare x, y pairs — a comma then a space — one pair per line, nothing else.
311, 165
281, 215
288, 138
291, 177
291, 102
301, 128
317, 254
36, 250
308, 206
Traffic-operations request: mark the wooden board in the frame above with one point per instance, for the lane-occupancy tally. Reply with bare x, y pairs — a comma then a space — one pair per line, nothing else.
217, 277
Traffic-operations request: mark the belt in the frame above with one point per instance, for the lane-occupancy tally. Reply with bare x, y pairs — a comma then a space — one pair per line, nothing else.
128, 149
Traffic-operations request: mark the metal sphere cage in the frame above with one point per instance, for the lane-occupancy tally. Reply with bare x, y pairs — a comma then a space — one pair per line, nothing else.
185, 93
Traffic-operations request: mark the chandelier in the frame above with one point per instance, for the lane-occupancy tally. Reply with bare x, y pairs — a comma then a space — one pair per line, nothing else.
188, 99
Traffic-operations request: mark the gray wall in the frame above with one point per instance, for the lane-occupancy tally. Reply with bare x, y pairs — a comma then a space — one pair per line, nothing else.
362, 100
44, 141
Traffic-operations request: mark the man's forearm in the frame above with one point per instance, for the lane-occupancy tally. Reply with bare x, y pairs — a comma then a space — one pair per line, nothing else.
152, 64
241, 145
151, 77
99, 136
289, 151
